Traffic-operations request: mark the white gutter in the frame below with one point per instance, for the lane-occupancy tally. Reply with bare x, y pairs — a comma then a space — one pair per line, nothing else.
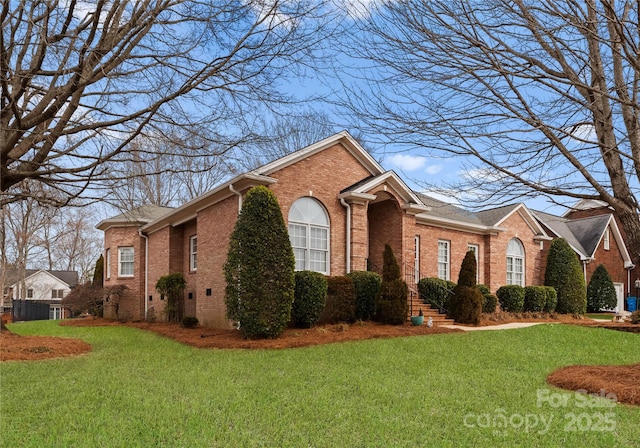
146, 273
348, 207
236, 192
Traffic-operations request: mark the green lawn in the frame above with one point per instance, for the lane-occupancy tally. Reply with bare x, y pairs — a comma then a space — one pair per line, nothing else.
137, 389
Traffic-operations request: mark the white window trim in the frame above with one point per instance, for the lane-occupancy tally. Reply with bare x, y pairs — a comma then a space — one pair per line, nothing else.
607, 239
524, 269
193, 255
448, 262
120, 250
476, 251
307, 249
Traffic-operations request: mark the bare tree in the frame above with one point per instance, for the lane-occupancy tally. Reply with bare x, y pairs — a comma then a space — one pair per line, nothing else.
541, 96
288, 133
24, 223
158, 175
81, 80
77, 242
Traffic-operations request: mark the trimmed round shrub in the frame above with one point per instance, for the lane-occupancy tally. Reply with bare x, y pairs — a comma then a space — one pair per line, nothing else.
601, 293
341, 301
552, 299
535, 298
466, 304
435, 292
189, 322
565, 274
310, 296
489, 304
484, 289
511, 298
392, 307
259, 268
367, 286
635, 317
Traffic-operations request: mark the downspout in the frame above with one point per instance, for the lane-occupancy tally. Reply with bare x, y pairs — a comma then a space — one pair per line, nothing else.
236, 192
348, 207
146, 273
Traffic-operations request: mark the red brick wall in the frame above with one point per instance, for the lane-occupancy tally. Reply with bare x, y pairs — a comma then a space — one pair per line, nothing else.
612, 261
215, 224
188, 230
495, 270
458, 246
322, 176
385, 227
130, 307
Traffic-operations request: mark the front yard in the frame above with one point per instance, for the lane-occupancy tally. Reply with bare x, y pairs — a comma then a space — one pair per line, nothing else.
478, 389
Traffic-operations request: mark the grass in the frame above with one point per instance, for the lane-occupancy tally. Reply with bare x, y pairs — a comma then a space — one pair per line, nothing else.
137, 389
602, 315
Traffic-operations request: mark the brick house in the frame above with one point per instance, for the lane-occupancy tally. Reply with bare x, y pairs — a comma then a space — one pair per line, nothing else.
341, 207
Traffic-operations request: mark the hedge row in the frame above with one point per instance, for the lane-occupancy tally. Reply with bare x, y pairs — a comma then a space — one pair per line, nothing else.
515, 298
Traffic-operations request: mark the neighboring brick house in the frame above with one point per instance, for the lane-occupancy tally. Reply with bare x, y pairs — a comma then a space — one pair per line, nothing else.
341, 207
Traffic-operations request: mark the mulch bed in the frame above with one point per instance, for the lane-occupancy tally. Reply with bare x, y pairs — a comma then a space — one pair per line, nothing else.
290, 338
621, 383
14, 347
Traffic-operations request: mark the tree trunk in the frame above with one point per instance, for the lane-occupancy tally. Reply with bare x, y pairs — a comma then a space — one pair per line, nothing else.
630, 223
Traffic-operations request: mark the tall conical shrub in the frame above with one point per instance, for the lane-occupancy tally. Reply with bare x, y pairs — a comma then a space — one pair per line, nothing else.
564, 273
260, 267
391, 305
98, 273
466, 304
601, 293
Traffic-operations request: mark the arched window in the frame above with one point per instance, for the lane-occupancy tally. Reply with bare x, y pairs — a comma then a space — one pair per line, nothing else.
309, 235
515, 262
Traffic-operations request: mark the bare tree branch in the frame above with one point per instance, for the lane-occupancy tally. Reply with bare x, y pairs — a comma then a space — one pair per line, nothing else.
541, 96
82, 80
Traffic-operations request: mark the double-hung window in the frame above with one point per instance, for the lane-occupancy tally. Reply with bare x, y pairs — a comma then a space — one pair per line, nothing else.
193, 253
309, 235
475, 249
125, 262
57, 293
444, 260
515, 262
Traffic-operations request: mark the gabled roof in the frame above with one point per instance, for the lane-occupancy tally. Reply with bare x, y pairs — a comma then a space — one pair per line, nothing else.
558, 225
70, 278
138, 216
446, 211
485, 221
587, 204
356, 150
189, 211
258, 176
392, 179
584, 235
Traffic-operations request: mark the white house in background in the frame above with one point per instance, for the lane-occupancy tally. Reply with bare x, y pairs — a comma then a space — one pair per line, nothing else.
46, 287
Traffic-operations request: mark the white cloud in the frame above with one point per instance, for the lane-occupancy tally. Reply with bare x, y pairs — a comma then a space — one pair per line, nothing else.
433, 169
407, 162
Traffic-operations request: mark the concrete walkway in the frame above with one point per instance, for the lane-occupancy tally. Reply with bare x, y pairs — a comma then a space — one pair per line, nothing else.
508, 326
